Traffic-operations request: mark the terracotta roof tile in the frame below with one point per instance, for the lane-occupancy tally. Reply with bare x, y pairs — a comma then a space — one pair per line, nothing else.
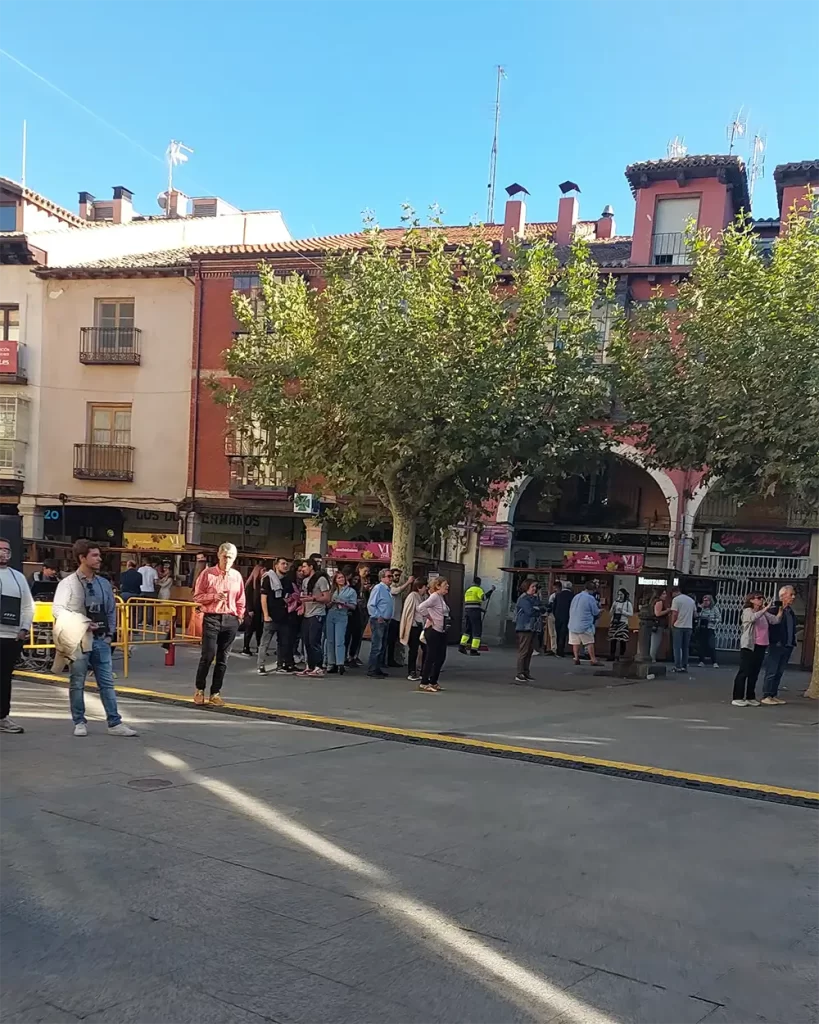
704, 166
47, 204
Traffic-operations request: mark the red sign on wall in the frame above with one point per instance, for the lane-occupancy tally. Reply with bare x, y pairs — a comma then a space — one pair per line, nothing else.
8, 357
602, 561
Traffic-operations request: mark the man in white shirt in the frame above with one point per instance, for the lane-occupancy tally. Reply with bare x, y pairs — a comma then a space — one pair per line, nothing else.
683, 609
149, 577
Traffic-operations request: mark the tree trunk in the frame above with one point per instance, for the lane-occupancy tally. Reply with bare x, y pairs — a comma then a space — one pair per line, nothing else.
813, 688
403, 542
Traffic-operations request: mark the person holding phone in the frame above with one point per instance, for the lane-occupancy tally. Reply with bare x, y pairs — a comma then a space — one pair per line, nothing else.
756, 621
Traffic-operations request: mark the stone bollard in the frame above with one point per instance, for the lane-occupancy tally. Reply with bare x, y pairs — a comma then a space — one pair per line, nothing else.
646, 615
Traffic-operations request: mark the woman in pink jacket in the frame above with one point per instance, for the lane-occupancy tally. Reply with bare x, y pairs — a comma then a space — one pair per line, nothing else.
435, 614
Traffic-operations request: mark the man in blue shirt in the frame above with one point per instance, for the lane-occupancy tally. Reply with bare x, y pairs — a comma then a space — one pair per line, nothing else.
782, 641
85, 593
583, 615
379, 608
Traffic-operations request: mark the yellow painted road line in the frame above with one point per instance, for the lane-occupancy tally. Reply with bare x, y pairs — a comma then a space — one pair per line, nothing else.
445, 740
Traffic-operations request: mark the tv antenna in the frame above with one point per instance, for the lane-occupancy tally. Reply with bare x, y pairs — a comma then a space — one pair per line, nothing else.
736, 129
493, 158
676, 148
757, 168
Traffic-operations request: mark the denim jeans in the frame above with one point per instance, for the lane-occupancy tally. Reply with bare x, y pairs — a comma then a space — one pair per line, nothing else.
378, 643
681, 638
775, 664
312, 629
98, 659
337, 621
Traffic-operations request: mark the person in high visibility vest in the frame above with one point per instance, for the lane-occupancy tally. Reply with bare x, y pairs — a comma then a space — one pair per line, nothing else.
473, 618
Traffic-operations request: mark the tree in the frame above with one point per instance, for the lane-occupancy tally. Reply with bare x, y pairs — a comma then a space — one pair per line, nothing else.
725, 378
420, 374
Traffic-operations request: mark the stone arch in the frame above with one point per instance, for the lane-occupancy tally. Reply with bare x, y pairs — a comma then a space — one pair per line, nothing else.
692, 507
660, 477
508, 505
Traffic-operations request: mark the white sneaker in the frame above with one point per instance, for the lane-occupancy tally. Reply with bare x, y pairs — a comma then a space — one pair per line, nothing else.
9, 725
122, 730
740, 703
753, 703
714, 665
700, 664
81, 729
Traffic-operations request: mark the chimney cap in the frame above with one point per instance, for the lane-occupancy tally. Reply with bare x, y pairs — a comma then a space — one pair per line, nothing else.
121, 192
608, 211
568, 186
515, 189
86, 197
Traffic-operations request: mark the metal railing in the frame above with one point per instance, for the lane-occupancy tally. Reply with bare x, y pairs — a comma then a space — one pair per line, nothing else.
103, 462
253, 473
103, 345
670, 248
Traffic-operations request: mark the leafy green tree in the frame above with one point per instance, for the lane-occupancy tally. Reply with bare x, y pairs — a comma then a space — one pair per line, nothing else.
725, 379
420, 374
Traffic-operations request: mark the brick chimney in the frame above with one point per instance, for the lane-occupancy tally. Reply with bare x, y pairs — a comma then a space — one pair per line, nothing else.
567, 211
514, 222
123, 205
605, 227
86, 206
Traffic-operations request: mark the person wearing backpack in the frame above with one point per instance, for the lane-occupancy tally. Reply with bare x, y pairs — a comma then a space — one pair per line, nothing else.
315, 596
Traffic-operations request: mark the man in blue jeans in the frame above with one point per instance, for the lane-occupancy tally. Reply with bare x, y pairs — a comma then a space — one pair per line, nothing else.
379, 608
782, 641
683, 609
89, 595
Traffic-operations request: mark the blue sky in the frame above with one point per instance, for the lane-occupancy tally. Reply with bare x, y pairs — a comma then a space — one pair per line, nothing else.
323, 110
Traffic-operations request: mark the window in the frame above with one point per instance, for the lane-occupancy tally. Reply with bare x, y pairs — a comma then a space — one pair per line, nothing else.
109, 424
9, 323
671, 219
114, 320
246, 282
8, 216
8, 418
103, 212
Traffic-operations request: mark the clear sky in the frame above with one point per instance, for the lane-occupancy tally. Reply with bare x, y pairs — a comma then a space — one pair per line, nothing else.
324, 109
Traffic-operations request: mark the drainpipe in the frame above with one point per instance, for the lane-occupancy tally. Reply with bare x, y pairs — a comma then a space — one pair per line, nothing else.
197, 378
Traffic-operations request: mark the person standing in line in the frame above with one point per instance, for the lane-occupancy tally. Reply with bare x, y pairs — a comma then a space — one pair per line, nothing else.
782, 641
16, 616
275, 621
412, 623
87, 594
220, 593
397, 589
291, 586
149, 577
355, 626
315, 597
550, 626
379, 609
619, 633
474, 600
528, 616
708, 619
253, 624
44, 582
435, 613
683, 609
562, 606
662, 609
343, 600
583, 616
756, 621
130, 582
200, 563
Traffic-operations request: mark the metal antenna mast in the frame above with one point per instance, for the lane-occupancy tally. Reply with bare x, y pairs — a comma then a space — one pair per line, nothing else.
757, 169
493, 159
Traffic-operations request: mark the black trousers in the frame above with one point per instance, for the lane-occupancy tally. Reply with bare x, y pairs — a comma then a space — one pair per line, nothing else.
473, 625
10, 651
355, 629
436, 656
218, 634
562, 635
414, 646
254, 625
750, 662
706, 644
393, 633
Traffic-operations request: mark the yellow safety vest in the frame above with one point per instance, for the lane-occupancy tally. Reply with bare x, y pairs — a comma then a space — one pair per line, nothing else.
473, 596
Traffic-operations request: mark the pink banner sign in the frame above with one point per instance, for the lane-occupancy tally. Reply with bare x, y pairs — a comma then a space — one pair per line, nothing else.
360, 550
602, 561
494, 537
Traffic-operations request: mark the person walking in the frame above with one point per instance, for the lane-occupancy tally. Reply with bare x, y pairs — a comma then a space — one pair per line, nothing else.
474, 603
662, 609
379, 609
562, 606
550, 627
220, 593
16, 616
756, 621
708, 618
315, 597
781, 643
343, 600
86, 594
397, 589
275, 620
528, 617
619, 633
412, 624
683, 609
583, 615
435, 612
254, 620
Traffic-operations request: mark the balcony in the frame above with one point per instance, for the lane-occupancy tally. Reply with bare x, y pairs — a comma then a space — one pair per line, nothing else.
110, 346
12, 459
252, 473
104, 462
670, 249
13, 363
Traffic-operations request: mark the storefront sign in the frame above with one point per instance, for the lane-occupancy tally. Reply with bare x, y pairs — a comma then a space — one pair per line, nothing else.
602, 561
153, 541
594, 538
360, 550
760, 542
146, 519
494, 537
8, 357
233, 526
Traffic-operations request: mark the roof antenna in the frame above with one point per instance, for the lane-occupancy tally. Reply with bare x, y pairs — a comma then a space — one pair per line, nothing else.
736, 129
676, 148
757, 169
493, 159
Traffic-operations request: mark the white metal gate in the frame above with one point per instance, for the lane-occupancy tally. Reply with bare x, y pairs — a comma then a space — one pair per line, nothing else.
772, 567
741, 574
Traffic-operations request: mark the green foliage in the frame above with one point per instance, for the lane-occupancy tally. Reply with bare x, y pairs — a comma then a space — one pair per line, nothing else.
729, 380
418, 377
